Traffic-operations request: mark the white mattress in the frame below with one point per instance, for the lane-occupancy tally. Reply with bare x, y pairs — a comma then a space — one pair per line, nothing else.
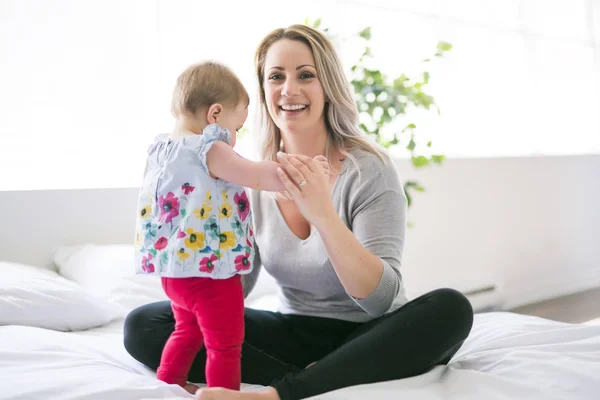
507, 356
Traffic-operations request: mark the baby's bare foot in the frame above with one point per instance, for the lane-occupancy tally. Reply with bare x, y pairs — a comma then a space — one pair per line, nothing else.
226, 394
191, 388
217, 394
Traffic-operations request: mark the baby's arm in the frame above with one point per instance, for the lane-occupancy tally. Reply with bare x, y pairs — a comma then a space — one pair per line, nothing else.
226, 164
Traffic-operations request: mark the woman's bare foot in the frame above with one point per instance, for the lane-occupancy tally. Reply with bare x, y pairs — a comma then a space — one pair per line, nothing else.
191, 388
226, 394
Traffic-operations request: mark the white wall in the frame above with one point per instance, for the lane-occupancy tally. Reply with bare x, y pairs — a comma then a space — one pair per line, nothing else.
512, 61
35, 223
530, 226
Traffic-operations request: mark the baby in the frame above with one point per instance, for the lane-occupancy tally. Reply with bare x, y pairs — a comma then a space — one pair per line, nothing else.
194, 226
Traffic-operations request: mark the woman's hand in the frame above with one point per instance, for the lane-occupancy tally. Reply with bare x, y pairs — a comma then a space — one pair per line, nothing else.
322, 162
307, 181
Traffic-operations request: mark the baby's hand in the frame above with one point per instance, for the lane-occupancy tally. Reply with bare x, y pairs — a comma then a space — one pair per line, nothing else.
285, 196
324, 164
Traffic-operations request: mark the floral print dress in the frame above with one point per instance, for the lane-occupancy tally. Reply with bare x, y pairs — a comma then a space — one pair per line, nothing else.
189, 224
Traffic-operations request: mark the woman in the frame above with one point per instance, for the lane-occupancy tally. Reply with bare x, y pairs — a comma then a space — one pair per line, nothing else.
334, 249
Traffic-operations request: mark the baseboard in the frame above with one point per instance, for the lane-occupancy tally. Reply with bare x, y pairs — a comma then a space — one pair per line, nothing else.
548, 289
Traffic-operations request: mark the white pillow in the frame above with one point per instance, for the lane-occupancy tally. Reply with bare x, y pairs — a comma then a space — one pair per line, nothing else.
39, 297
109, 272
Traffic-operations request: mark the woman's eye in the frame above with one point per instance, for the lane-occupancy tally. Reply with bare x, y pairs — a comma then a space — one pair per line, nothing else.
275, 77
306, 75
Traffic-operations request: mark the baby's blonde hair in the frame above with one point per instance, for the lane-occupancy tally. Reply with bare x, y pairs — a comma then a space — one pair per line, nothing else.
204, 84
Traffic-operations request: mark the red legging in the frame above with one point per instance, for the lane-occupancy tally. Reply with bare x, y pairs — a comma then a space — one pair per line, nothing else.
208, 312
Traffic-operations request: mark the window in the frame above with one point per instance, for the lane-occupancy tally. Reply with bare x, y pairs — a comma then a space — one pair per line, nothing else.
86, 86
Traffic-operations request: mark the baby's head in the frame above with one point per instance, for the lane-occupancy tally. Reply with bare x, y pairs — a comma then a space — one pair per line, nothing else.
208, 93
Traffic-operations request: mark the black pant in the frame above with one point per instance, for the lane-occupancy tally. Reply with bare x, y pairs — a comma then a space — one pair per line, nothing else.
423, 333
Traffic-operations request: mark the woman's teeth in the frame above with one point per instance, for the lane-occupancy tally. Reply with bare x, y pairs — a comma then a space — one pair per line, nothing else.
295, 107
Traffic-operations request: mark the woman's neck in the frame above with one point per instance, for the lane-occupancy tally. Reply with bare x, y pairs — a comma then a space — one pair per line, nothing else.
304, 147
312, 147
308, 144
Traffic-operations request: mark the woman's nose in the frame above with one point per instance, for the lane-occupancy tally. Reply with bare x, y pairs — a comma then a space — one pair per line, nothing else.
290, 88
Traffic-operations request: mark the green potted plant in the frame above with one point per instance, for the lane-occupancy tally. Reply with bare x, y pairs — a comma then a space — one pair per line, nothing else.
382, 99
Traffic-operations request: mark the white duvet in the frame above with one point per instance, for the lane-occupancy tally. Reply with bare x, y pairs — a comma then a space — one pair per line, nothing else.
507, 356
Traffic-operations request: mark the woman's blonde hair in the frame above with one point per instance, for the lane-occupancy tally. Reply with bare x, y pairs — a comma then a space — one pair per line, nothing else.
204, 84
341, 113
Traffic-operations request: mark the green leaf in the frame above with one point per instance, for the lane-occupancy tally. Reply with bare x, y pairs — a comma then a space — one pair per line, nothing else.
399, 82
409, 127
444, 46
426, 77
438, 158
183, 212
420, 161
429, 144
388, 144
411, 145
366, 53
153, 252
365, 33
412, 185
317, 23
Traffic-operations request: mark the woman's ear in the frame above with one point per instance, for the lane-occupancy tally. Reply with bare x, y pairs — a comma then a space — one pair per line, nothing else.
214, 112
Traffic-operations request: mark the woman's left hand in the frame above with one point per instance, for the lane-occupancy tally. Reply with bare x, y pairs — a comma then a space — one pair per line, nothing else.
308, 184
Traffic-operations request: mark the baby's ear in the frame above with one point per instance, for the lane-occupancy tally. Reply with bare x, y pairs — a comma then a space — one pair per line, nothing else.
214, 112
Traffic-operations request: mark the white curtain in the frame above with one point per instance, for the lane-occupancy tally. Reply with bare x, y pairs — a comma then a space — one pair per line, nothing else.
85, 85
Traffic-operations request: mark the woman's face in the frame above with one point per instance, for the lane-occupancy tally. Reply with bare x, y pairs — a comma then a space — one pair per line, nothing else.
293, 92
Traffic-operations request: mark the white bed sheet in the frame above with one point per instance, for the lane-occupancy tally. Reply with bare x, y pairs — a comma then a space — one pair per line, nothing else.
507, 356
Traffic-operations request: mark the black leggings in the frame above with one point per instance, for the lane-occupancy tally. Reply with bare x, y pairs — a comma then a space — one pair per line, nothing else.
423, 333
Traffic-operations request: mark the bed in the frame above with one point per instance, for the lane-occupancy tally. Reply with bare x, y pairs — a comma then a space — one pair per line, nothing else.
63, 301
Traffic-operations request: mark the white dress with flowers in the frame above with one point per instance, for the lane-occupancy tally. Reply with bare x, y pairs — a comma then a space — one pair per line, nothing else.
189, 224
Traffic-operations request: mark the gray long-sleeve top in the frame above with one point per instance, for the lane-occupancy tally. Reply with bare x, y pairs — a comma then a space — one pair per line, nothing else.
370, 200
